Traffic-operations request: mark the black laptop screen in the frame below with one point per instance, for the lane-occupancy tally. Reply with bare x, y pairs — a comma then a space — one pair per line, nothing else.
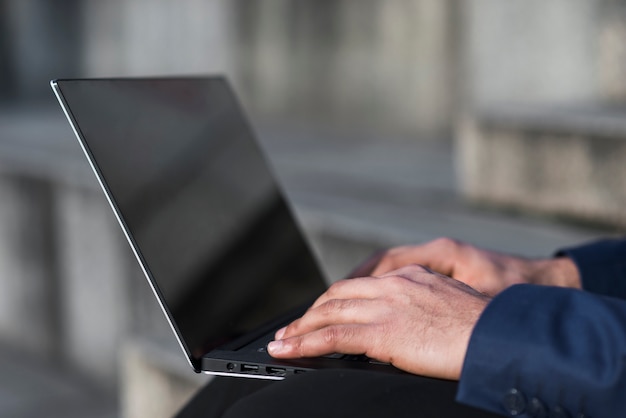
198, 201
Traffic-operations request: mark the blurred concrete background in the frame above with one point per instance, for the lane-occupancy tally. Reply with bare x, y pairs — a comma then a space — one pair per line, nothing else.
501, 123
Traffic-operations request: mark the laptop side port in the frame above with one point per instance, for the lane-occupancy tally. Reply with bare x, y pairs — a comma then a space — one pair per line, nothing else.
249, 368
275, 371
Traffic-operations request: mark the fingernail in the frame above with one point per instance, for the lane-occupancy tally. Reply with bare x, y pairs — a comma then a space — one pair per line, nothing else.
275, 347
279, 334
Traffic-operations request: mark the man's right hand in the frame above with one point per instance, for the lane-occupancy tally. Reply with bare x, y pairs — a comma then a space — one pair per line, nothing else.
487, 271
413, 318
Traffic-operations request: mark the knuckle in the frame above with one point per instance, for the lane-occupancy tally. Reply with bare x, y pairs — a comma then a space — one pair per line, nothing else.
297, 346
446, 242
402, 273
423, 269
336, 287
418, 267
293, 327
330, 335
395, 254
335, 335
395, 282
331, 306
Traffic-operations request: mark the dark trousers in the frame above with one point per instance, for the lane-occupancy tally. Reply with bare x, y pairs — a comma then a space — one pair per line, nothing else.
328, 394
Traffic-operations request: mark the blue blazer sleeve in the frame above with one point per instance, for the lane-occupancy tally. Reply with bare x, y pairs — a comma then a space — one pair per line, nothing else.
540, 350
548, 348
602, 266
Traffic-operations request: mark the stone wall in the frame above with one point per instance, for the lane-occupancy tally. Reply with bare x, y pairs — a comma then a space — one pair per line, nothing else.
378, 64
565, 162
530, 51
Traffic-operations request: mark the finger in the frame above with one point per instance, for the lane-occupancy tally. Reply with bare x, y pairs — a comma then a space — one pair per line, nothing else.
347, 289
334, 312
411, 272
347, 339
438, 255
423, 275
358, 288
393, 259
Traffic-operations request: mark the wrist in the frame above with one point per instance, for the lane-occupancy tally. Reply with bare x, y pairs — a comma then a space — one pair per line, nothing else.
559, 271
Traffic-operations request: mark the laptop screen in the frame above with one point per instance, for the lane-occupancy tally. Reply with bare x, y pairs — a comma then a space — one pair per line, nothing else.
198, 202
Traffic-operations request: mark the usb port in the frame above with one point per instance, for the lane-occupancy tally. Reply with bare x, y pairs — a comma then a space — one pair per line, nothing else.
276, 371
249, 368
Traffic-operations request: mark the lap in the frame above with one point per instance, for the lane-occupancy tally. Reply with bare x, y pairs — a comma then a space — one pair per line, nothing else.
341, 393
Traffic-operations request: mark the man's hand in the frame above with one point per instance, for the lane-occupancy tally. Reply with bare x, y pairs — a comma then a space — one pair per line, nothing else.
413, 318
487, 271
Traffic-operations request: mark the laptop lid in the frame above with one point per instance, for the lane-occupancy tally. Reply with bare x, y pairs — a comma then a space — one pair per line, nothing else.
197, 201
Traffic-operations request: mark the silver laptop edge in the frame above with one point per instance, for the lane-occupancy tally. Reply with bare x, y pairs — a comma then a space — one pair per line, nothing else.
59, 97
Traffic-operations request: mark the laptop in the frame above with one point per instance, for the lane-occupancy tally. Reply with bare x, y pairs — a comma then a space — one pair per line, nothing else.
204, 216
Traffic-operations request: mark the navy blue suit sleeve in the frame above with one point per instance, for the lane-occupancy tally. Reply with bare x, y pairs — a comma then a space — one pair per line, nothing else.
602, 266
547, 347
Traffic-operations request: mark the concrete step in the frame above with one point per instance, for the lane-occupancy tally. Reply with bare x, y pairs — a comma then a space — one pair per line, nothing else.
556, 160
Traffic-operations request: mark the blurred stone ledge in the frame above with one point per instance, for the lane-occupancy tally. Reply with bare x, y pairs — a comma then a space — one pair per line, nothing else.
555, 160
